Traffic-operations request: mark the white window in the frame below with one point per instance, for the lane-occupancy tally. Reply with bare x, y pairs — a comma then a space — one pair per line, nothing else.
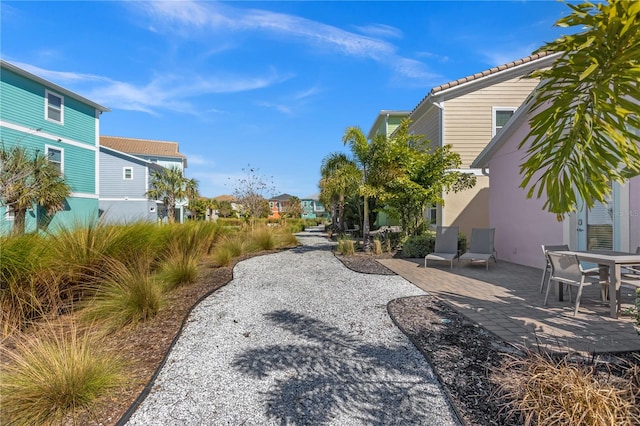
500, 117
9, 214
56, 157
127, 173
54, 107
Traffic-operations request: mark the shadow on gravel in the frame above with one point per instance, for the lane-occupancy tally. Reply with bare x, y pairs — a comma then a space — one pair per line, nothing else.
337, 374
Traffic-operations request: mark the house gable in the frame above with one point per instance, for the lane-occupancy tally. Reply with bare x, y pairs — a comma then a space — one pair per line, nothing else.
43, 117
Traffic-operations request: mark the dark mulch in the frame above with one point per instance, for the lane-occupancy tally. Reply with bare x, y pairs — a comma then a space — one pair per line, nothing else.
464, 355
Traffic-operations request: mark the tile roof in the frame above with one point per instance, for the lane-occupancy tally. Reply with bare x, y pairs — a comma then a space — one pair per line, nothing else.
490, 71
142, 146
281, 197
225, 197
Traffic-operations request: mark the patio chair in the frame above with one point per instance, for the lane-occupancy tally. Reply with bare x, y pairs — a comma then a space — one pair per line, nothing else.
566, 269
446, 245
481, 246
547, 268
632, 271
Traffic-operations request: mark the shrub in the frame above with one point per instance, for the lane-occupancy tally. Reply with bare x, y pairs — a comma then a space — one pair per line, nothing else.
421, 245
418, 246
127, 295
543, 390
53, 374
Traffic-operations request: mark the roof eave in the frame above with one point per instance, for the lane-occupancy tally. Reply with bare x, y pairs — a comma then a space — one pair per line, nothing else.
52, 85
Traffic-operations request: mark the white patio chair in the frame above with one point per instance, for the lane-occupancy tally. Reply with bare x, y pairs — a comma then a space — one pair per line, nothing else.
547, 268
446, 245
566, 269
481, 246
632, 271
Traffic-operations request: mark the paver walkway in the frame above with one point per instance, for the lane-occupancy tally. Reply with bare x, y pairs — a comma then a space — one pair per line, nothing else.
506, 301
297, 338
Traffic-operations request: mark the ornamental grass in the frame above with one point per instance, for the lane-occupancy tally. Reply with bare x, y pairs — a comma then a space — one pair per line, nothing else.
53, 374
542, 390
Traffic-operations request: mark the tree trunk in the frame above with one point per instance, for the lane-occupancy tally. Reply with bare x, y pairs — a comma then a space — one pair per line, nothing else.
366, 240
171, 212
19, 221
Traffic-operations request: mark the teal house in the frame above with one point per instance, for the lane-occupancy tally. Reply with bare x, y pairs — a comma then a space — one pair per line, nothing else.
44, 117
312, 208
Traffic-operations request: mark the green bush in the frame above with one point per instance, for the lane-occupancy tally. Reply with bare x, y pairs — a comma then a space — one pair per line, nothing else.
421, 245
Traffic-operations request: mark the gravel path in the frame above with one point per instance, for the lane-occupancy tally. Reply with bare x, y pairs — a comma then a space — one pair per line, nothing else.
296, 339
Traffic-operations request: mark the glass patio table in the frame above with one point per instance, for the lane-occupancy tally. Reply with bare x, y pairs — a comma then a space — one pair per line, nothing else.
614, 261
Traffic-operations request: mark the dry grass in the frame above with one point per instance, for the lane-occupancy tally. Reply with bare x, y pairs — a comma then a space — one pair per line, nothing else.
377, 247
346, 247
53, 374
541, 390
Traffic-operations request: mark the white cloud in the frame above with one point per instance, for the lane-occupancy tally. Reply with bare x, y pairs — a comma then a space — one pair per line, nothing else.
285, 109
495, 58
380, 30
188, 18
199, 160
165, 92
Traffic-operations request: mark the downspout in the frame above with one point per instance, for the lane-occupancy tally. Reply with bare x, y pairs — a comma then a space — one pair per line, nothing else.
440, 106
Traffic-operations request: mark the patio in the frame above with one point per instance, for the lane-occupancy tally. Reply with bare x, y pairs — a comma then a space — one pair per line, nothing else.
506, 301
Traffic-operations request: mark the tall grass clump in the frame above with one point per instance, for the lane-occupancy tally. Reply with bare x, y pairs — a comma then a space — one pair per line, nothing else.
126, 294
377, 246
286, 238
346, 247
541, 390
53, 374
262, 238
228, 248
178, 268
28, 288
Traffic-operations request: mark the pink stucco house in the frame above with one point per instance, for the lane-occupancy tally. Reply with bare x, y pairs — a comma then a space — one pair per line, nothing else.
522, 225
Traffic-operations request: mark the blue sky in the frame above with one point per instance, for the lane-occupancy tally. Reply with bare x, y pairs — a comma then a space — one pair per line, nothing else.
269, 84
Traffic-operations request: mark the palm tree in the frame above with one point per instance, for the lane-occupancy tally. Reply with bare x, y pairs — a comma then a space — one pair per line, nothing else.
171, 186
363, 153
340, 177
28, 181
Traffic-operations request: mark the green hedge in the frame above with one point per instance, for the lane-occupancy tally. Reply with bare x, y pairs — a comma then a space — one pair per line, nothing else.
421, 245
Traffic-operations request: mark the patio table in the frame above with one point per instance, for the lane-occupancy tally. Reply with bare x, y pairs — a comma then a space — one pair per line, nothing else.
614, 261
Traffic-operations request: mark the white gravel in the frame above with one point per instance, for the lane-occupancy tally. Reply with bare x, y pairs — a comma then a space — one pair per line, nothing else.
296, 338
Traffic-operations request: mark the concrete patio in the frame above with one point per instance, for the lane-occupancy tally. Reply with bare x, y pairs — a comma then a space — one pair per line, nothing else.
506, 301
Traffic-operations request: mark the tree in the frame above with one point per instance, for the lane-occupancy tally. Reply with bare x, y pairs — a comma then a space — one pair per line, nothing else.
27, 181
250, 192
224, 208
363, 152
340, 177
409, 175
170, 186
583, 134
293, 208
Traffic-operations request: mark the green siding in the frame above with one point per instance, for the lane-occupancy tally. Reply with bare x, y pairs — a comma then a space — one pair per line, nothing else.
79, 163
78, 212
23, 102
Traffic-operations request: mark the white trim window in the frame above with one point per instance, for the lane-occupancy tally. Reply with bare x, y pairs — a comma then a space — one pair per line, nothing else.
127, 173
54, 107
55, 156
499, 118
9, 214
